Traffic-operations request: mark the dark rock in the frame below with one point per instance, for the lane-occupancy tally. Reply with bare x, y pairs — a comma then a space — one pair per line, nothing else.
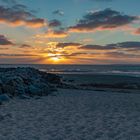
52, 78
4, 98
27, 81
22, 96
71, 81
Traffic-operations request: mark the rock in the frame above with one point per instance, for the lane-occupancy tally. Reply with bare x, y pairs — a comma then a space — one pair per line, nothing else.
52, 78
4, 98
39, 90
71, 81
8, 89
1, 89
27, 81
22, 96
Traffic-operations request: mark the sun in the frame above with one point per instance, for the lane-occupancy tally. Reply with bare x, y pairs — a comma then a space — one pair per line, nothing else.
55, 59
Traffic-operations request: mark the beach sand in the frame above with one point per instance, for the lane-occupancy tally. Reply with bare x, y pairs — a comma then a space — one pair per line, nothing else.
100, 78
102, 81
72, 114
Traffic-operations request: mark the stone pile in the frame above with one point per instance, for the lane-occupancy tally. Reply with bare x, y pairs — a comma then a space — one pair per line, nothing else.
26, 82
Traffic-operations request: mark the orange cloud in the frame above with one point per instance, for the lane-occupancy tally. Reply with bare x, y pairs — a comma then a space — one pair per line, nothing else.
35, 23
53, 34
137, 32
19, 17
57, 34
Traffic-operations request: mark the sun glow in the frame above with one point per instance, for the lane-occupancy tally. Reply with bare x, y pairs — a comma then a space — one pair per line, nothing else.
55, 59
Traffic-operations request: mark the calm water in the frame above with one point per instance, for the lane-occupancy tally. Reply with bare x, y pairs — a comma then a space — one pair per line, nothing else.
133, 70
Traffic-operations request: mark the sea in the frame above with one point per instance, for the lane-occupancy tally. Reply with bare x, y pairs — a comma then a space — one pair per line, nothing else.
131, 70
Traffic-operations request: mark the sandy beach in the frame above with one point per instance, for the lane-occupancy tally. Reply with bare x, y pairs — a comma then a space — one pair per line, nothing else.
72, 115
103, 82
36, 105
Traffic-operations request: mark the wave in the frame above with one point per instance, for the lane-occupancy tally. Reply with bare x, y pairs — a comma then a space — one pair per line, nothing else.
79, 71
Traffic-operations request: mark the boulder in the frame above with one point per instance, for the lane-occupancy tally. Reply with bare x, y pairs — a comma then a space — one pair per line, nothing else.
27, 81
4, 98
23, 96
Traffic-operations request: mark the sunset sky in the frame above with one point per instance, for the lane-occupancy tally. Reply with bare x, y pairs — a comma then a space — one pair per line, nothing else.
70, 31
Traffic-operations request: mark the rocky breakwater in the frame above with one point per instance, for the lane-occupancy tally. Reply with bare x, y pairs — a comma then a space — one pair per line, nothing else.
26, 83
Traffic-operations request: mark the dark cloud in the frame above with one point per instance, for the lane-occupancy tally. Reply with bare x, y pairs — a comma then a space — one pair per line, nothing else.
123, 45
96, 47
9, 1
58, 12
56, 34
55, 23
19, 7
19, 60
36, 22
63, 45
5, 41
76, 54
25, 46
18, 15
122, 55
103, 20
127, 45
17, 55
